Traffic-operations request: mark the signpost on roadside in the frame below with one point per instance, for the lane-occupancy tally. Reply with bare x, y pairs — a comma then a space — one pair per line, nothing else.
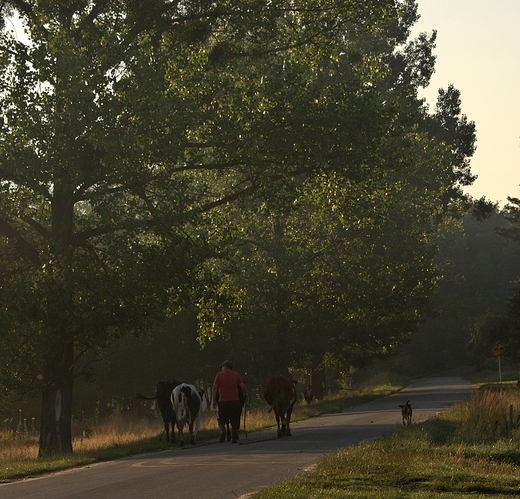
498, 350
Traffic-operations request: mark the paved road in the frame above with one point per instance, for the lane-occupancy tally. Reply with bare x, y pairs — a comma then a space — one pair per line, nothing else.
215, 471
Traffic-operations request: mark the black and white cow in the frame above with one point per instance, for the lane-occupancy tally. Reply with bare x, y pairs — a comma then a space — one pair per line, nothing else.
187, 409
163, 393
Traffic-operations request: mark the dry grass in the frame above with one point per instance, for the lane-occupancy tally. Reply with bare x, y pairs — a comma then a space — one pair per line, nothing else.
493, 414
115, 431
17, 448
115, 436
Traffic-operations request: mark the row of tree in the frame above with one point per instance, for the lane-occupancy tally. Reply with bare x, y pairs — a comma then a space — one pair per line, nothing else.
499, 324
266, 168
478, 267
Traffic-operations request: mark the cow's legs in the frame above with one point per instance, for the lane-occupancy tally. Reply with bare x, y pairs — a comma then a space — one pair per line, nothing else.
288, 419
167, 431
284, 424
181, 435
197, 426
192, 436
280, 429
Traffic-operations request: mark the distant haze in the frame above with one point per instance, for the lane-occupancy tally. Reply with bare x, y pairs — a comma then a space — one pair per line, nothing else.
478, 51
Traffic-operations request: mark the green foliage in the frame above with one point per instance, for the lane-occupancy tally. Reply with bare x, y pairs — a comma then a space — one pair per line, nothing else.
347, 254
160, 156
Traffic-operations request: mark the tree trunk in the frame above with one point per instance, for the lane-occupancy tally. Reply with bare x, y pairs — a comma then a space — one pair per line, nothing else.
56, 415
58, 372
282, 301
282, 345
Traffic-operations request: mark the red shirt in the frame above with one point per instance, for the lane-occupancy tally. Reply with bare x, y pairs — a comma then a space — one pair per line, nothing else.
228, 382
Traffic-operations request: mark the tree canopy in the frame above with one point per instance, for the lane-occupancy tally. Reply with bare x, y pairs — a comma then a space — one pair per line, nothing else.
162, 155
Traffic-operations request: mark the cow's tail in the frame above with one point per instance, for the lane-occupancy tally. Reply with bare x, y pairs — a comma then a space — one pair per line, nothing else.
182, 412
143, 397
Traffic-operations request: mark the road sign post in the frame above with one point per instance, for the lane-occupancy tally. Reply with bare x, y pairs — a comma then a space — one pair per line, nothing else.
498, 350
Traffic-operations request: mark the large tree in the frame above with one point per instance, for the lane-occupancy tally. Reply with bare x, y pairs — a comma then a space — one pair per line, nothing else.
338, 267
122, 124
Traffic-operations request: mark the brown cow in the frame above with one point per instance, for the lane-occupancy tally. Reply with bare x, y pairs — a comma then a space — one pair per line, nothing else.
280, 393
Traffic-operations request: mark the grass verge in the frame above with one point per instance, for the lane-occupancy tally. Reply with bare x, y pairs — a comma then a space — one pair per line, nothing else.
126, 434
472, 450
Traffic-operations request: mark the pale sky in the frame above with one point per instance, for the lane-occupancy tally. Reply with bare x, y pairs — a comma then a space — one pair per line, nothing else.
478, 50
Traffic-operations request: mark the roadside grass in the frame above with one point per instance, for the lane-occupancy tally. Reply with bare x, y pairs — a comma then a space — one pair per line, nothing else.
471, 450
491, 376
127, 434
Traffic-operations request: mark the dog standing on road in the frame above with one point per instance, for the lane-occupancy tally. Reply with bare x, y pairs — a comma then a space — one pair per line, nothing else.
406, 412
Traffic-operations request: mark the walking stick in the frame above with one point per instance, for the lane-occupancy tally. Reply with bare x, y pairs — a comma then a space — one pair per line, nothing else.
245, 412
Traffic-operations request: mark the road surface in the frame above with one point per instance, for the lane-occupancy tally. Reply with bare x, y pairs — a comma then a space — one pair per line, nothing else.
230, 471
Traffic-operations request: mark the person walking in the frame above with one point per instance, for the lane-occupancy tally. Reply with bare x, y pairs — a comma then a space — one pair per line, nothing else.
226, 396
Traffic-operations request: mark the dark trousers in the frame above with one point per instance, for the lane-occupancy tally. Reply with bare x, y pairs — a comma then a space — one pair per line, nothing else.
230, 411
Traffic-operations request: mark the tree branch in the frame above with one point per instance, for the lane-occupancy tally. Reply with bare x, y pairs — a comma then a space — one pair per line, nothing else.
26, 9
97, 8
23, 246
38, 228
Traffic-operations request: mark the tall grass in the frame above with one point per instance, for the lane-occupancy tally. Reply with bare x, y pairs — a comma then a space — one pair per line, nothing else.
492, 414
117, 435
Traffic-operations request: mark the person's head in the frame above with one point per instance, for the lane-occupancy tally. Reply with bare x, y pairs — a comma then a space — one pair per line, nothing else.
227, 364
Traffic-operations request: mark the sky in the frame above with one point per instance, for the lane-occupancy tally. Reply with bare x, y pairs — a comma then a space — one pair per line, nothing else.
478, 51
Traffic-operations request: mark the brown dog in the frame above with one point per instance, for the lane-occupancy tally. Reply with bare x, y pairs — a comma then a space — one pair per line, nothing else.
406, 412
